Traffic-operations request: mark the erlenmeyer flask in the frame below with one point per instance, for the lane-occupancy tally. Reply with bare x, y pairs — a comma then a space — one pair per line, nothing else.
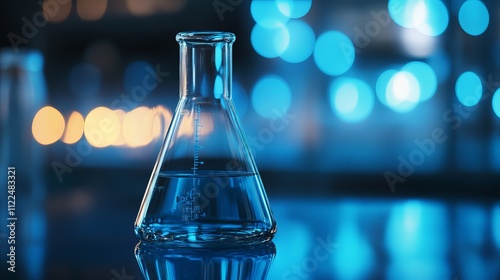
205, 188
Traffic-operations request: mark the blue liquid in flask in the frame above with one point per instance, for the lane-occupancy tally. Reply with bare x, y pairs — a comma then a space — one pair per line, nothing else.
205, 189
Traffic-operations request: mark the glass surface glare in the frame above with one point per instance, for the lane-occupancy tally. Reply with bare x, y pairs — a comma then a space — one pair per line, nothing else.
205, 188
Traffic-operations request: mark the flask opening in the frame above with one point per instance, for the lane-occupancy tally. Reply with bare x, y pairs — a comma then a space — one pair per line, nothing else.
205, 64
205, 37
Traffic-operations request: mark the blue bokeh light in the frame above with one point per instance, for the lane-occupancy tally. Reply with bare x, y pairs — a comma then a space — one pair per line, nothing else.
301, 42
267, 14
351, 99
495, 102
34, 60
135, 74
294, 8
270, 42
468, 89
403, 92
430, 17
473, 17
240, 99
406, 13
496, 224
85, 79
382, 83
334, 53
271, 93
436, 18
425, 76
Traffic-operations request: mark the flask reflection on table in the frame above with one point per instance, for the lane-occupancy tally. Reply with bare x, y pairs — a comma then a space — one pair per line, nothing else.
158, 261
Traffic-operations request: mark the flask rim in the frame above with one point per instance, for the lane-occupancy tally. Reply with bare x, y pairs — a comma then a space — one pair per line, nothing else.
205, 37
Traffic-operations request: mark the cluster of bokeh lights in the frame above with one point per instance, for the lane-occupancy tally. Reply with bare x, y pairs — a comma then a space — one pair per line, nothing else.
279, 32
429, 17
102, 127
402, 90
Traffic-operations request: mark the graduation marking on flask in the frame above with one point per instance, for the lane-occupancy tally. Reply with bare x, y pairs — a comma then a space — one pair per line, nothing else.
191, 210
197, 147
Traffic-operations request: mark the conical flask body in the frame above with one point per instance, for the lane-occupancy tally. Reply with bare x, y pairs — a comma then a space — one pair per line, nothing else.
205, 188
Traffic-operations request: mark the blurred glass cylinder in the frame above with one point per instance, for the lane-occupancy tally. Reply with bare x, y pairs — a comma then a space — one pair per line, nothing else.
22, 93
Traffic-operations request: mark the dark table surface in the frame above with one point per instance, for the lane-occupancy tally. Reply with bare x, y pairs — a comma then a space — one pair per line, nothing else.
84, 230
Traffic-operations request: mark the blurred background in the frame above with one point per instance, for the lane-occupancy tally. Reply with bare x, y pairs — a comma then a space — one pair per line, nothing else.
382, 117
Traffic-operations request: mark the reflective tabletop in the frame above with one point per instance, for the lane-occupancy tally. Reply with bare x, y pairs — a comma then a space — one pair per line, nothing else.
87, 234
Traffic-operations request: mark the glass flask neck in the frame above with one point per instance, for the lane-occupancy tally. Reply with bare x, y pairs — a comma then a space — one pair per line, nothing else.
205, 64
